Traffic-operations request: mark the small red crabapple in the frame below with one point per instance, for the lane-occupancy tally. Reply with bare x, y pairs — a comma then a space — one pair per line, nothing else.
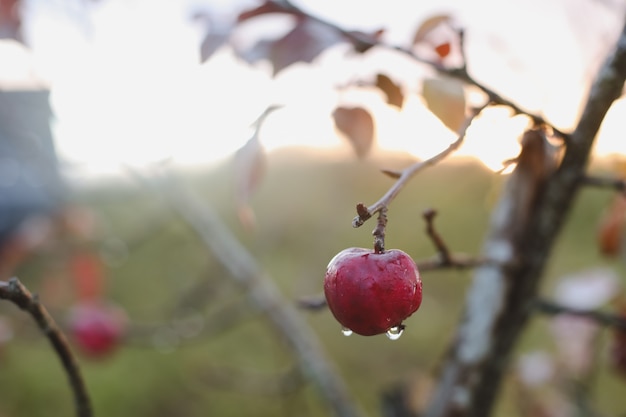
97, 327
372, 293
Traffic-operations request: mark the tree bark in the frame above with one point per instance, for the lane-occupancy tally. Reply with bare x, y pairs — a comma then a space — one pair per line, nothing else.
524, 226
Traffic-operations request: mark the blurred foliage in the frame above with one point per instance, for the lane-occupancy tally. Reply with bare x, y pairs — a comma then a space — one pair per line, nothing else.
304, 208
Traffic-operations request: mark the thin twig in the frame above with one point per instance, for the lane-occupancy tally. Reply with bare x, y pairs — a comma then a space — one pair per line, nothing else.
603, 318
440, 245
364, 213
617, 184
17, 293
379, 231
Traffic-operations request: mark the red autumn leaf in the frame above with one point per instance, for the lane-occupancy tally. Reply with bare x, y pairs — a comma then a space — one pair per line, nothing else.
358, 126
392, 91
611, 228
443, 49
265, 8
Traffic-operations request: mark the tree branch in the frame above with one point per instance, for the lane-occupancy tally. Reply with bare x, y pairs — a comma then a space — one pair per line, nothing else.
617, 184
362, 42
364, 213
498, 307
551, 308
261, 291
17, 293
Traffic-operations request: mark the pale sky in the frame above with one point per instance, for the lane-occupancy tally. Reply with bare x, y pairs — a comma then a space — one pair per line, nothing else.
127, 87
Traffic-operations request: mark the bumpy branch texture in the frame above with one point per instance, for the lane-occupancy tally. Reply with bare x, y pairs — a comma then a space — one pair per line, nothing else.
17, 293
523, 228
262, 292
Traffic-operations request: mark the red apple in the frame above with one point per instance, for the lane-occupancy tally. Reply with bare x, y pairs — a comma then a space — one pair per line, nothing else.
97, 327
372, 293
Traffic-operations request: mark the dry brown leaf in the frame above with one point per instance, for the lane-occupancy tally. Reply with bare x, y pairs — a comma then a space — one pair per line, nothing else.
357, 125
428, 25
445, 97
392, 91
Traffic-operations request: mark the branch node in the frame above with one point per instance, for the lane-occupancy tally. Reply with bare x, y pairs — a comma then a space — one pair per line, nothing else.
363, 214
379, 231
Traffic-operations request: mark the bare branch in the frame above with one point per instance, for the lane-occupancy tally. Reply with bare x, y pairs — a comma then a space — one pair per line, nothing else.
442, 248
222, 320
362, 41
457, 261
498, 301
17, 293
618, 184
551, 308
261, 291
256, 383
411, 171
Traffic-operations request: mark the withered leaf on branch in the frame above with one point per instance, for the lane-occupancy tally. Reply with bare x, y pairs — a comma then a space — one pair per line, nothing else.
250, 165
392, 91
303, 43
265, 8
445, 97
357, 125
212, 42
428, 25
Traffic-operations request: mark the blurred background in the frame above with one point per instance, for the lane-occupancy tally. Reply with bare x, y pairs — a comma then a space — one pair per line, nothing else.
99, 98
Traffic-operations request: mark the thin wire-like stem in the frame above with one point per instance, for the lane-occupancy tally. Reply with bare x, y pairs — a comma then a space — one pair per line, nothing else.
18, 294
364, 213
618, 184
603, 318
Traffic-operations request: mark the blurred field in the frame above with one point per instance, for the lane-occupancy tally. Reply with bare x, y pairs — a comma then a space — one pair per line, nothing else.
158, 271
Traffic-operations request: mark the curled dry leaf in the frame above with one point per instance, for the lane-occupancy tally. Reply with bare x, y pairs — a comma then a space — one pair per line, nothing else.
211, 43
445, 97
428, 25
250, 163
303, 43
392, 91
358, 126
611, 229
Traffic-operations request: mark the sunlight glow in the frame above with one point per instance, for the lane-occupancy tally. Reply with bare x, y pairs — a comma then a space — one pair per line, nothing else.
124, 94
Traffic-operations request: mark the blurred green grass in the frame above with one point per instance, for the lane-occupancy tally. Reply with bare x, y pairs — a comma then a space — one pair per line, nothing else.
304, 209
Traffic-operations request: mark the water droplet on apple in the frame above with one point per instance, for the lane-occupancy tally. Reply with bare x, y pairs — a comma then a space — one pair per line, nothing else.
346, 331
395, 332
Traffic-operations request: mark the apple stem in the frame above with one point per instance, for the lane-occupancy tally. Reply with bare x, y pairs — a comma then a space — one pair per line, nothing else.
379, 231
